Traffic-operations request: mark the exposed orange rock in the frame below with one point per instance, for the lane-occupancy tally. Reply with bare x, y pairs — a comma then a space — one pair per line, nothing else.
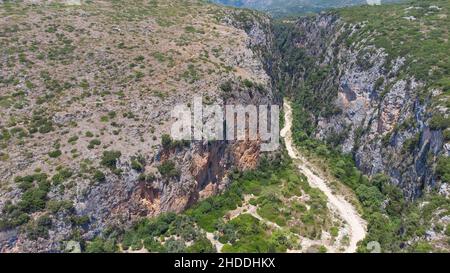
247, 154
208, 191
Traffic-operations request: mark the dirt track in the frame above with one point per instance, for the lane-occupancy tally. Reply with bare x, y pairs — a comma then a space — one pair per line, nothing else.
346, 210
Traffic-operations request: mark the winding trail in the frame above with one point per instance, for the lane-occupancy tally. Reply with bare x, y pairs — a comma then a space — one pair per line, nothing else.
357, 226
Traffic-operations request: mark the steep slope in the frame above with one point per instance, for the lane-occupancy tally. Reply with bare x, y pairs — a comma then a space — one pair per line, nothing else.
372, 83
86, 90
270, 209
357, 226
86, 94
367, 84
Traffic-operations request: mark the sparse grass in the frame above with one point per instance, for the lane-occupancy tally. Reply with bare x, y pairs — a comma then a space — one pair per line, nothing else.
62, 87
422, 40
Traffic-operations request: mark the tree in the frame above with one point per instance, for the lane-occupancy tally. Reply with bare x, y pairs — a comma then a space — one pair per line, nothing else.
54, 154
370, 196
166, 141
439, 122
443, 169
39, 228
138, 163
99, 176
109, 159
201, 246
226, 87
154, 246
175, 246
168, 169
100, 245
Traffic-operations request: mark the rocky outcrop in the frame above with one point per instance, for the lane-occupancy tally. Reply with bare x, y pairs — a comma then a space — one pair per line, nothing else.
167, 66
376, 114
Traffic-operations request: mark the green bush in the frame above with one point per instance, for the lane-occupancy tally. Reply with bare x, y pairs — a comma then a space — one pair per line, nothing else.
34, 199
423, 247
110, 158
93, 143
168, 169
55, 206
137, 166
99, 176
30, 179
61, 176
446, 135
443, 169
202, 245
439, 122
270, 209
147, 177
250, 236
226, 87
334, 231
80, 220
112, 114
138, 163
370, 196
100, 245
323, 249
166, 141
39, 229
175, 246
54, 154
72, 139
248, 83
154, 246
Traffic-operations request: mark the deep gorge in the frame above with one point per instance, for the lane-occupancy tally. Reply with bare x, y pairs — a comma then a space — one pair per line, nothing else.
358, 101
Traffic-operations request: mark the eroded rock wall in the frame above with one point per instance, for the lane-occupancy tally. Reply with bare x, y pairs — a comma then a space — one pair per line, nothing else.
377, 112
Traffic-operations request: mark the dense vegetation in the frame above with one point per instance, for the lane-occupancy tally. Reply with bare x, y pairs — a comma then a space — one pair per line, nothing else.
392, 221
166, 233
34, 199
418, 31
270, 188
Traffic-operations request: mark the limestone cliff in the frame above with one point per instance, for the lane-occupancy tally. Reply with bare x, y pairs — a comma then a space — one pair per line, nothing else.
363, 99
86, 97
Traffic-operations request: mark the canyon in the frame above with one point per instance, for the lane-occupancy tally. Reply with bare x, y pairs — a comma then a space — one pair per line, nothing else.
86, 94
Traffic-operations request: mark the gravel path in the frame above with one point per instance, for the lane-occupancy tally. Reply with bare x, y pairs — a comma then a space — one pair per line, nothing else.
346, 210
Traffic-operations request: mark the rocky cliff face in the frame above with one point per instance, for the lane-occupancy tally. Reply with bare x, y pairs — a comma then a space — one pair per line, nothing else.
96, 85
367, 104
203, 165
